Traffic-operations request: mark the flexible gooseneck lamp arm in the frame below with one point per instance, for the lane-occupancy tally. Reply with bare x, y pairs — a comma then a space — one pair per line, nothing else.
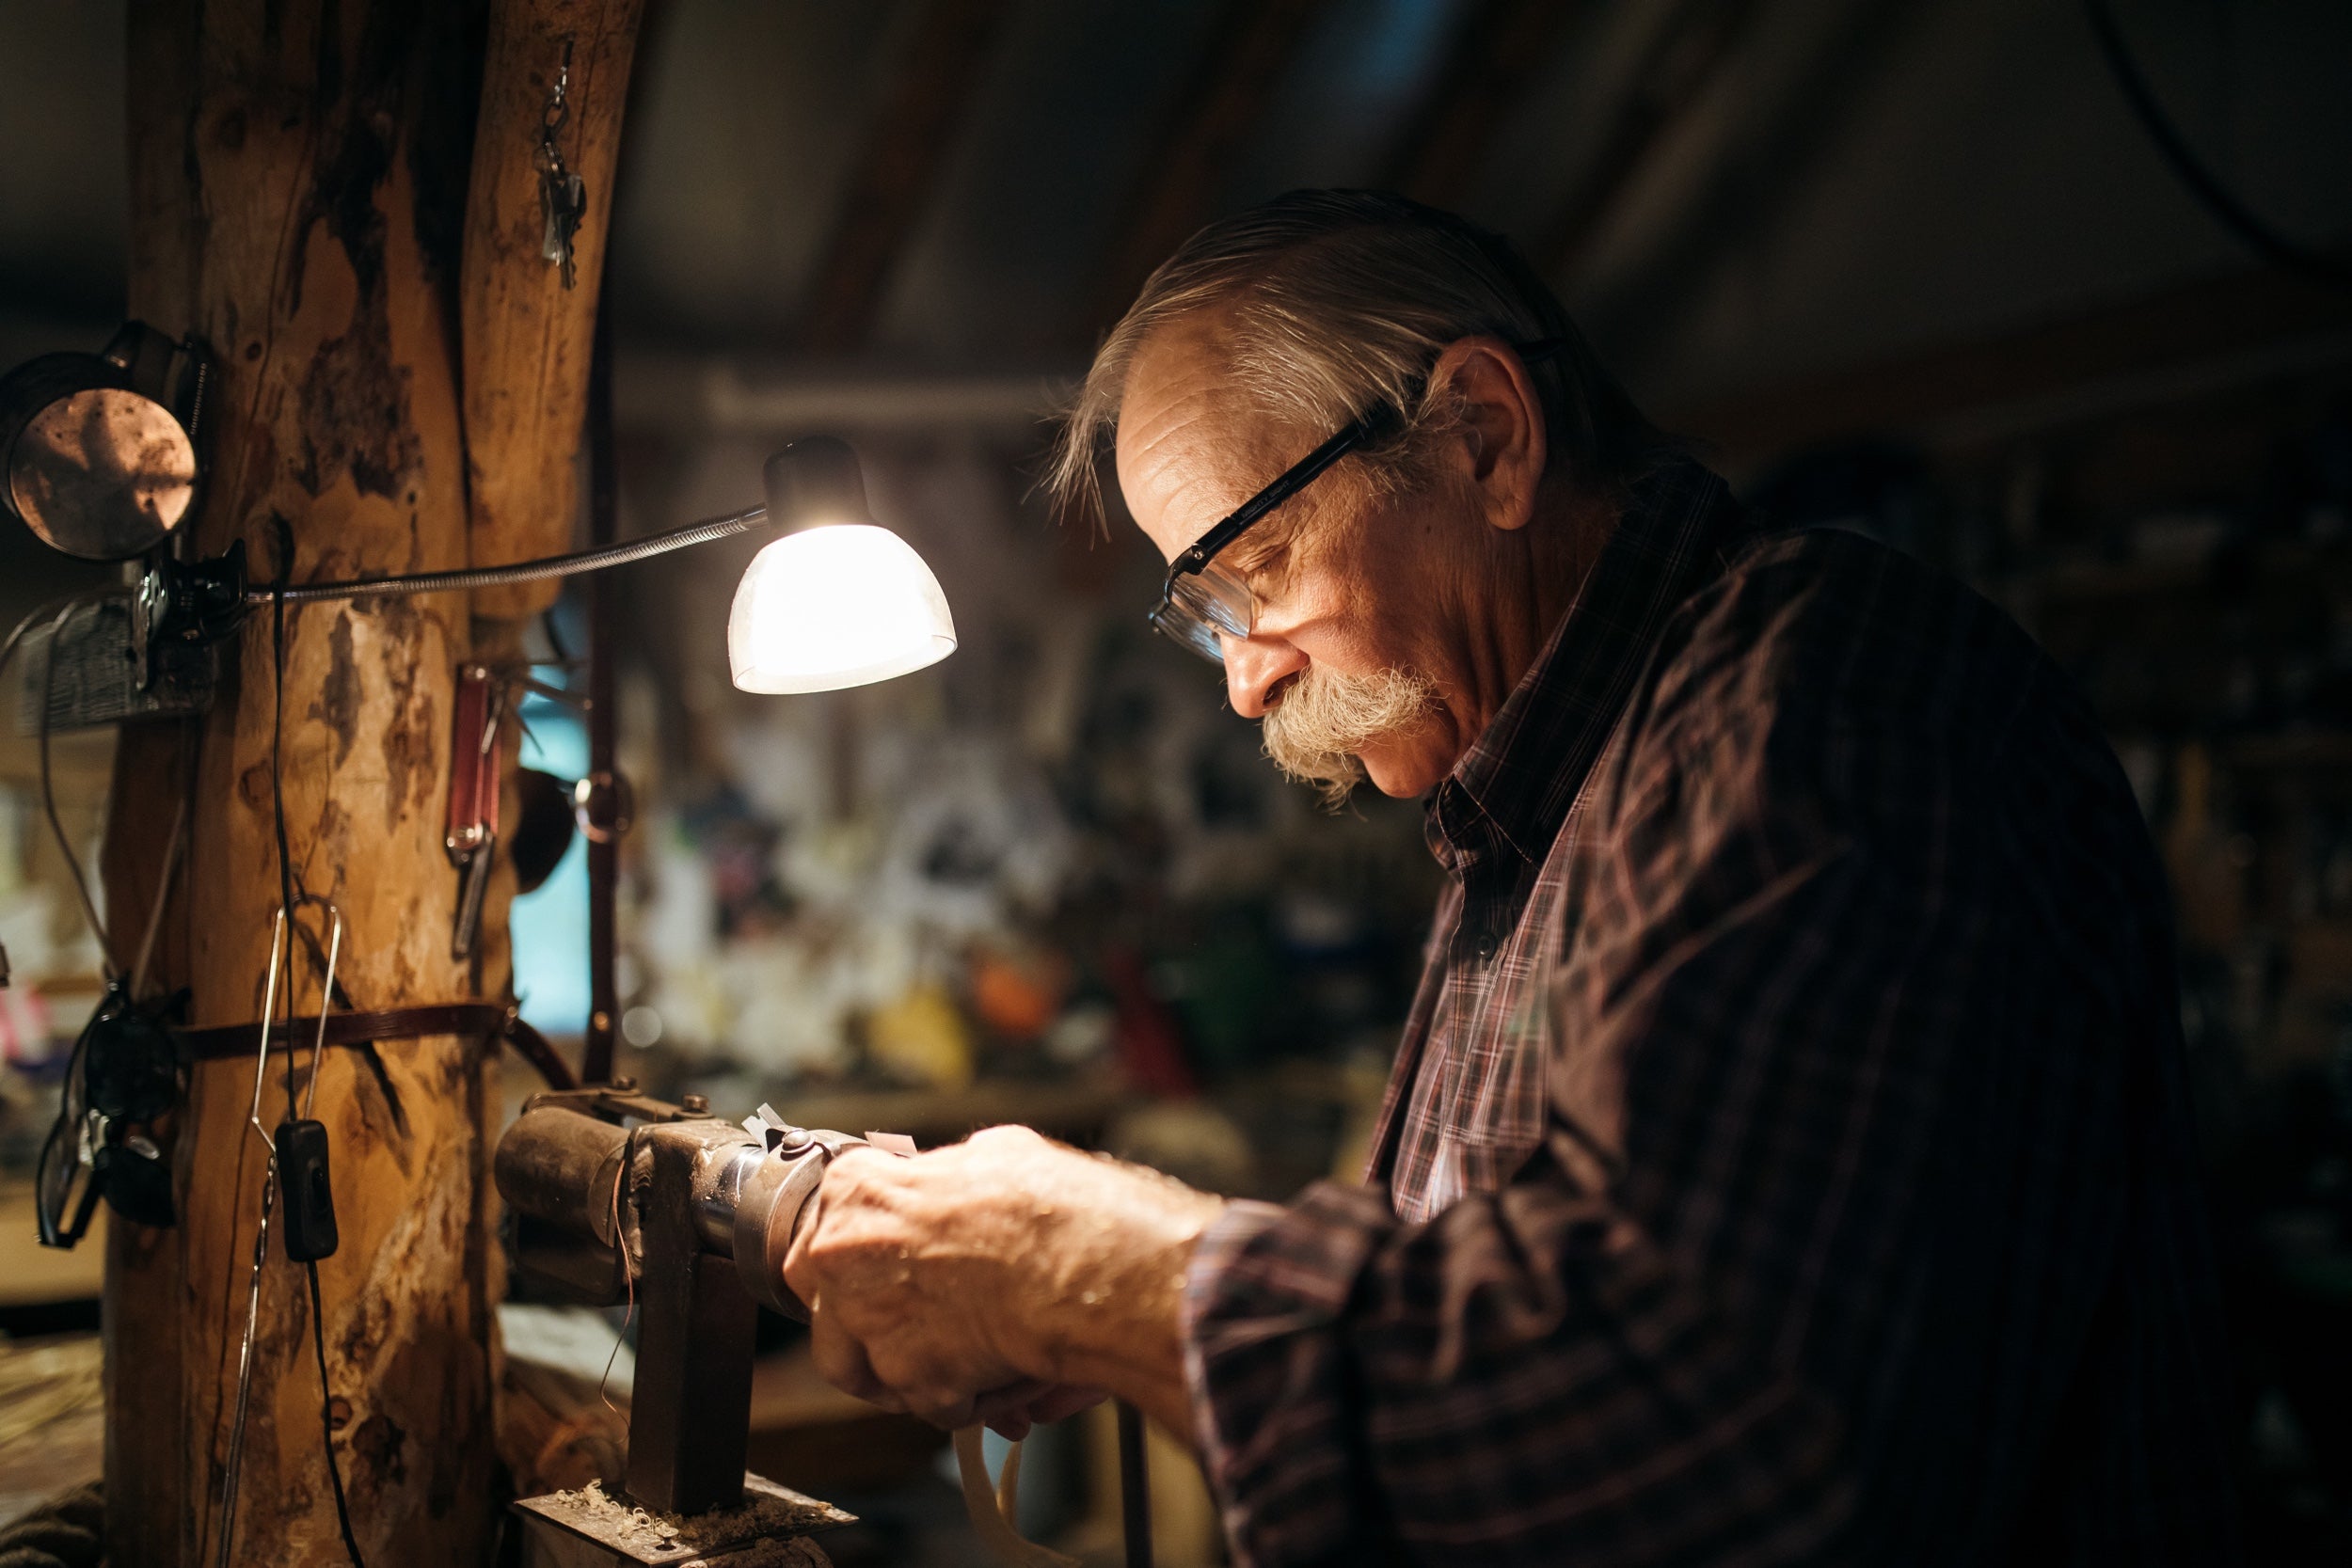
834, 600
466, 579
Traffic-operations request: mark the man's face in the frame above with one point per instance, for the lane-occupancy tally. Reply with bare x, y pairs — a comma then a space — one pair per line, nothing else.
1357, 598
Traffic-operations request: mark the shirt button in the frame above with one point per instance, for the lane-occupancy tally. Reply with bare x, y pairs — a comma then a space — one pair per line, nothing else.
1483, 946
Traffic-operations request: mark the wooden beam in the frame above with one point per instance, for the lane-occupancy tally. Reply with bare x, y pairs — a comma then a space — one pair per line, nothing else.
912, 132
1498, 55
2237, 325
1670, 77
1221, 102
526, 337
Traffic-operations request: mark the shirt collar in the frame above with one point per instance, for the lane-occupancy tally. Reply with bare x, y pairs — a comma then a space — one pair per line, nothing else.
1523, 774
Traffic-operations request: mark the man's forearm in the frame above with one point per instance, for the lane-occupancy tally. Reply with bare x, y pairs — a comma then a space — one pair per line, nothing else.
1128, 1338
1004, 1261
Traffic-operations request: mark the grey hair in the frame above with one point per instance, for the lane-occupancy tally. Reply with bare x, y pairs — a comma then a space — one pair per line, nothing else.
1341, 301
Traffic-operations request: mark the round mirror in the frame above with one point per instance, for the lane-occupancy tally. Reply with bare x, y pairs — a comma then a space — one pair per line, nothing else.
102, 473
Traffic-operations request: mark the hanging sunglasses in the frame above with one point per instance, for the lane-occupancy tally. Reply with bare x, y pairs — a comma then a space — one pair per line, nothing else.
124, 1072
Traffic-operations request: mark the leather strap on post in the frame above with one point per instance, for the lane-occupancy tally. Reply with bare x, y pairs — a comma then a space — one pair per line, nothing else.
488, 1020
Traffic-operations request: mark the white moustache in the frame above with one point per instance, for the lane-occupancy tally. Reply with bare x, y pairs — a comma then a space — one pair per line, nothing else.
1323, 719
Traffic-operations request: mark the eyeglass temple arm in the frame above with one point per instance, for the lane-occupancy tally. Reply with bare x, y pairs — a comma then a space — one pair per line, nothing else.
1369, 426
1290, 483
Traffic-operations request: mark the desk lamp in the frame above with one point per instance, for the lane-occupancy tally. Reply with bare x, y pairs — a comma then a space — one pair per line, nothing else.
99, 458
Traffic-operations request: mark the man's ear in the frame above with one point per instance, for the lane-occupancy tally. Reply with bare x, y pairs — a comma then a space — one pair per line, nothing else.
1504, 441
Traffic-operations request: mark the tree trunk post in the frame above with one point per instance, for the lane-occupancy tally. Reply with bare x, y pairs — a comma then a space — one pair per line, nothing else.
299, 178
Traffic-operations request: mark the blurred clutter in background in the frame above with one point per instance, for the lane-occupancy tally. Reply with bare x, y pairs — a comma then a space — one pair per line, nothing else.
1051, 860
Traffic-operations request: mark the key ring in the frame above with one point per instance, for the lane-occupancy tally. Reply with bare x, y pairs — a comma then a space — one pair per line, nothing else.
559, 110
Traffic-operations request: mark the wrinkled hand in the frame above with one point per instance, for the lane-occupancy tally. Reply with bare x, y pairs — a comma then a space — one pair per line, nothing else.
1006, 1278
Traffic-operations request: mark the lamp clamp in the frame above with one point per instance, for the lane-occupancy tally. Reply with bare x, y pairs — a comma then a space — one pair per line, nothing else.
187, 601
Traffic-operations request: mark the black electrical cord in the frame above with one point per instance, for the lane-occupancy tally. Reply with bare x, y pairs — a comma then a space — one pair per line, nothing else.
278, 800
327, 1417
286, 904
48, 791
1134, 1487
2233, 214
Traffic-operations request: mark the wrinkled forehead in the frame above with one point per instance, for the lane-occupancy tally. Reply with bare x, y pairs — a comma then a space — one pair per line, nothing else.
1189, 447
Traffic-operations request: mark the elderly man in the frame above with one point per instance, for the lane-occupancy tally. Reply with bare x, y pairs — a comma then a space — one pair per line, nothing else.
1786, 1157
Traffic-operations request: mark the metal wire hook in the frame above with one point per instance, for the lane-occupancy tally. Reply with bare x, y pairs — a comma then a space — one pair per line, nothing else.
559, 109
327, 1002
234, 1464
269, 1015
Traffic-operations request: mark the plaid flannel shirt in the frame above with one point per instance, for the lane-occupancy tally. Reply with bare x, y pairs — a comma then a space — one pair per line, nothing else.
1788, 1158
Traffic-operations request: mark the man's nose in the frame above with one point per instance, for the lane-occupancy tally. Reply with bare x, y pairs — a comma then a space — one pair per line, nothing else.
1255, 669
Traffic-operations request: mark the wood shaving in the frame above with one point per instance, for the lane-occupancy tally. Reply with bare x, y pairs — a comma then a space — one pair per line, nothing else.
768, 1515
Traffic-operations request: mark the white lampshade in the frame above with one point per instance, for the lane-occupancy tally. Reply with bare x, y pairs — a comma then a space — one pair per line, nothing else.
842, 604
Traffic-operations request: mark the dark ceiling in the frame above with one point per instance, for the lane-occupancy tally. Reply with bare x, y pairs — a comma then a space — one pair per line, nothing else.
1730, 193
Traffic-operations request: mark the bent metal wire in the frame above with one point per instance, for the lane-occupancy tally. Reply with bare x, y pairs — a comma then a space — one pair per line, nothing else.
280, 967
1202, 603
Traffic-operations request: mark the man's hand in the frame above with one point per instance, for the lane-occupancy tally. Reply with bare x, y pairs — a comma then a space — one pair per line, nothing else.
1006, 1278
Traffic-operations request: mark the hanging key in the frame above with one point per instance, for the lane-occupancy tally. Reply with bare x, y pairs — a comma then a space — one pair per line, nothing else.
471, 836
562, 195
562, 201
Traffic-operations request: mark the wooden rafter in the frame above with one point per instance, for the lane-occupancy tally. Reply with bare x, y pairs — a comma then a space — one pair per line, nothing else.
1224, 99
1744, 185
1497, 56
913, 129
2209, 332
1672, 76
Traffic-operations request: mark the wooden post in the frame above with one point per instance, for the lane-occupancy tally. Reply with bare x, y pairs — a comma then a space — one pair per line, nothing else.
529, 339
299, 201
531, 350
598, 1041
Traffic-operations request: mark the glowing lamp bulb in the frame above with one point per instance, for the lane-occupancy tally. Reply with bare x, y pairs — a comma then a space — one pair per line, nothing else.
835, 605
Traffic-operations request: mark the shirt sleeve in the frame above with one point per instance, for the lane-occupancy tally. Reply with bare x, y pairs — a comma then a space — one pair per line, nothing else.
1799, 925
